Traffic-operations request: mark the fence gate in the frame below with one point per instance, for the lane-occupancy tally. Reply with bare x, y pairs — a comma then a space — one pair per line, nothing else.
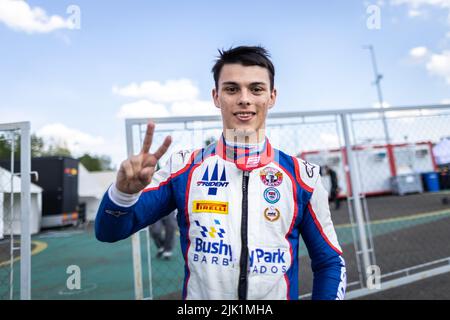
15, 236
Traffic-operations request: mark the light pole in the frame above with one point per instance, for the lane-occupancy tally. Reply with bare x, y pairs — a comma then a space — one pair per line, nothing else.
378, 78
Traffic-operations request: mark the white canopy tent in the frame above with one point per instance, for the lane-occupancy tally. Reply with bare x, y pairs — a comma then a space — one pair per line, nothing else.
7, 215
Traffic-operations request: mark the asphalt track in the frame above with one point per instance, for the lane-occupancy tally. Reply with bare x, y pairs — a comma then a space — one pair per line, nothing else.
407, 230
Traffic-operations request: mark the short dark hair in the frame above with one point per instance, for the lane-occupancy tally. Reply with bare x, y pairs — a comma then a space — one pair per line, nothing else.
246, 56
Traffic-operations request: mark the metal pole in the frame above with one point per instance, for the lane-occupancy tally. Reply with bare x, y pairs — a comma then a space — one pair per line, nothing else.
135, 238
356, 192
149, 261
11, 220
25, 203
377, 81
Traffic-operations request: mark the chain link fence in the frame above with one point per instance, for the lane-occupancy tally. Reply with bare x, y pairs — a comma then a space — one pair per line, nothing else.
8, 241
391, 210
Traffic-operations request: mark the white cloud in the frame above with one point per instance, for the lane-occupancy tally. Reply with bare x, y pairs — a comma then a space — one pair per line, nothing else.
415, 13
416, 7
439, 65
420, 3
445, 101
170, 91
142, 109
77, 141
173, 98
18, 15
194, 107
418, 52
148, 109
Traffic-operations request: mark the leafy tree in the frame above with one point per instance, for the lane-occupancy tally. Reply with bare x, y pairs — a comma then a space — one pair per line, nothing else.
95, 163
57, 150
40, 149
37, 147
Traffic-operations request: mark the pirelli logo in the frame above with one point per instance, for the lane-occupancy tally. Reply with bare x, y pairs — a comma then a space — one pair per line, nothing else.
210, 207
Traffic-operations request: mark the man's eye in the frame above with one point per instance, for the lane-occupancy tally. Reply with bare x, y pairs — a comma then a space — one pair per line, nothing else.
231, 89
257, 89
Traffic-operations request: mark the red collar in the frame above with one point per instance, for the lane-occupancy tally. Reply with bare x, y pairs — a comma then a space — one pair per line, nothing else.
241, 157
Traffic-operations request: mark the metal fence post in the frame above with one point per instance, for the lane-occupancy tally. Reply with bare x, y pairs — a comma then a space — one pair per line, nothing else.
135, 238
25, 204
356, 195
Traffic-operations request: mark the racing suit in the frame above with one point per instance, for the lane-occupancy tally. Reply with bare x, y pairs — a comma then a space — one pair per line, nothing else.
240, 215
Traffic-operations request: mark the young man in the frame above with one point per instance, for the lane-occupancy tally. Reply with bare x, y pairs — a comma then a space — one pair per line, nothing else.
242, 204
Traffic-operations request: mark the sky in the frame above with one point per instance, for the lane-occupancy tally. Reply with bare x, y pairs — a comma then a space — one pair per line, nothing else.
76, 69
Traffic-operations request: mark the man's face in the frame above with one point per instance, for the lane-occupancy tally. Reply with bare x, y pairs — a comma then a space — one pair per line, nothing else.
244, 97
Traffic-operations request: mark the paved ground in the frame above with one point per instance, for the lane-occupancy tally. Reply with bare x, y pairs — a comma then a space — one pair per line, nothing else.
408, 231
434, 288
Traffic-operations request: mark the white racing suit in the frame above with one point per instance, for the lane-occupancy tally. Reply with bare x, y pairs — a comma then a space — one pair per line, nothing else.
240, 215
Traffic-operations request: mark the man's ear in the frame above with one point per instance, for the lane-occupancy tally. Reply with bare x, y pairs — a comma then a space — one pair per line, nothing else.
273, 98
215, 98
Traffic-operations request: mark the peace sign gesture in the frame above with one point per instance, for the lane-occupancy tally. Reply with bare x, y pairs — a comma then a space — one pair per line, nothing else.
137, 171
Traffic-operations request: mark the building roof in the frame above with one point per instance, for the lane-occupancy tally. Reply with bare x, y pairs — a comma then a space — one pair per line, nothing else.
104, 178
87, 184
94, 184
5, 183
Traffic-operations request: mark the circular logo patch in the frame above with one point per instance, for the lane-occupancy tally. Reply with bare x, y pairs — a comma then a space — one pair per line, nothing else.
272, 214
271, 195
271, 177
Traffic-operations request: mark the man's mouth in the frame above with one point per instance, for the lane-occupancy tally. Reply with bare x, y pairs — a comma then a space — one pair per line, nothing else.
244, 115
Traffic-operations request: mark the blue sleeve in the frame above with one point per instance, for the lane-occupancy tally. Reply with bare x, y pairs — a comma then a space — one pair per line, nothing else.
114, 222
318, 233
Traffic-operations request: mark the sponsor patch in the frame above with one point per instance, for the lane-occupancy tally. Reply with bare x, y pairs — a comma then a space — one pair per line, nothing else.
213, 232
271, 177
272, 214
212, 247
202, 206
268, 261
212, 181
309, 168
253, 161
272, 195
116, 213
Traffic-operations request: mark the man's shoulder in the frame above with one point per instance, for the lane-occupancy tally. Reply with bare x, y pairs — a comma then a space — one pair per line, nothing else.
307, 173
182, 155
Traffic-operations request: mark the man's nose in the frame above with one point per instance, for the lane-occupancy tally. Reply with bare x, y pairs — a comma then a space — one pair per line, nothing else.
244, 98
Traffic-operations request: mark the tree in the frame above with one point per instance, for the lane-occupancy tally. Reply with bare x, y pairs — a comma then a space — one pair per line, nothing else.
5, 148
95, 163
40, 149
57, 150
37, 147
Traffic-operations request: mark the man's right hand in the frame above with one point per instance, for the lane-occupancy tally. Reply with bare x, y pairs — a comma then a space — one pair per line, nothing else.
136, 172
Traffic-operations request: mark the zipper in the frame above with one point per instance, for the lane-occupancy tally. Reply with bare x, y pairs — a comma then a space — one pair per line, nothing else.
243, 262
